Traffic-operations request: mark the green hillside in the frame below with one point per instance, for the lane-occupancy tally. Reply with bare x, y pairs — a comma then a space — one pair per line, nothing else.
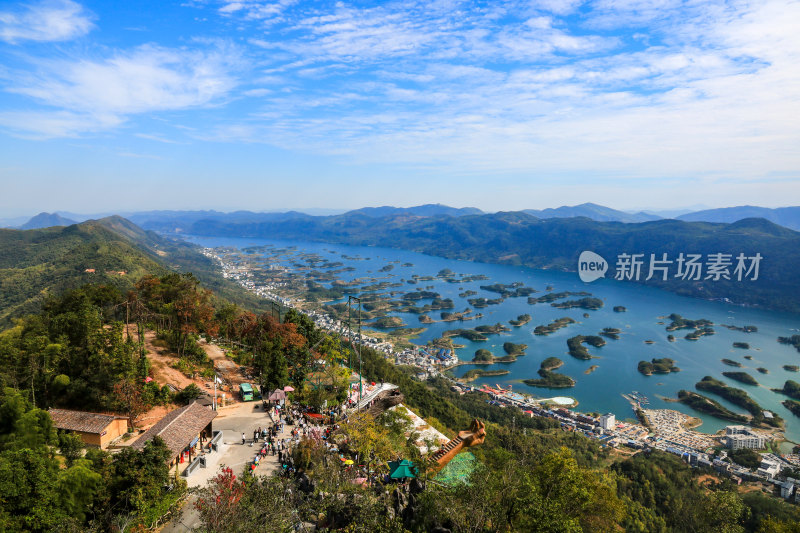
36, 264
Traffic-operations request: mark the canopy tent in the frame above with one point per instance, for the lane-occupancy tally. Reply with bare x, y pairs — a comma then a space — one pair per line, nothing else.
288, 388
277, 395
402, 469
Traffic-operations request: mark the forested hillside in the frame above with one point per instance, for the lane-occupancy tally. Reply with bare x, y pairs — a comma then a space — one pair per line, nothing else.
35, 264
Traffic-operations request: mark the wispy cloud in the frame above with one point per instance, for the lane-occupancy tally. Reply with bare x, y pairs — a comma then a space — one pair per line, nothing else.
50, 20
99, 93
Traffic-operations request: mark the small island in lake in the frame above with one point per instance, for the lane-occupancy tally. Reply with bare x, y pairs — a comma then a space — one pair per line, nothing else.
514, 349
385, 322
611, 333
740, 398
678, 322
742, 345
492, 330
731, 362
485, 357
671, 338
553, 326
794, 340
748, 357
745, 329
550, 379
741, 377
476, 373
790, 388
584, 303
520, 321
793, 406
578, 350
620, 308
468, 334
591, 369
706, 405
763, 370
663, 365
791, 368
551, 363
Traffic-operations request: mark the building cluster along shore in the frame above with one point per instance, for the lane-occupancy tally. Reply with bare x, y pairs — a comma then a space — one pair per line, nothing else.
661, 429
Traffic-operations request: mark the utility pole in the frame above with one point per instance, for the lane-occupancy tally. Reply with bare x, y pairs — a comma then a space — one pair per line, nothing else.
352, 343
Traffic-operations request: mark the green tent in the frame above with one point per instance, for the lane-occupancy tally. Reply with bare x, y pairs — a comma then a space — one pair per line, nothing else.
402, 469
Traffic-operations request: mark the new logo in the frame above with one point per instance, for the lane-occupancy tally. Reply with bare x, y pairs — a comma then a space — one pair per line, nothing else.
591, 266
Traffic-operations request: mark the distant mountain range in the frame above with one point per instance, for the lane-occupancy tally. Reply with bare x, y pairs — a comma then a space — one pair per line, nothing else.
427, 210
47, 220
784, 216
595, 212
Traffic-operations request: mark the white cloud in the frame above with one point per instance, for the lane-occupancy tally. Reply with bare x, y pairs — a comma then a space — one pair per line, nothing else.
147, 79
52, 20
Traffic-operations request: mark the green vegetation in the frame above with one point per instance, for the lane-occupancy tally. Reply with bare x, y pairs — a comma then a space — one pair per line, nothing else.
578, 350
513, 290
742, 345
794, 340
514, 349
741, 377
706, 405
476, 373
550, 380
583, 303
657, 366
678, 322
620, 309
793, 406
611, 333
551, 363
763, 370
791, 389
744, 329
791, 368
740, 398
385, 322
553, 326
468, 334
520, 321
731, 362
480, 303
491, 330
483, 356
745, 457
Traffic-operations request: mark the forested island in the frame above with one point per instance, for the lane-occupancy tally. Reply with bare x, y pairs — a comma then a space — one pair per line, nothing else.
742, 345
476, 373
793, 406
521, 320
741, 377
706, 405
578, 350
731, 362
794, 340
611, 333
584, 303
550, 379
791, 368
657, 366
553, 326
514, 349
790, 388
740, 398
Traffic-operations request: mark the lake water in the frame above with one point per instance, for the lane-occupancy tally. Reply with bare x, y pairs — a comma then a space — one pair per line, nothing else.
617, 361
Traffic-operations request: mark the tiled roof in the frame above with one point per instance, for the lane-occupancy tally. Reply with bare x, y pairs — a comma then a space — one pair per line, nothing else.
80, 420
178, 428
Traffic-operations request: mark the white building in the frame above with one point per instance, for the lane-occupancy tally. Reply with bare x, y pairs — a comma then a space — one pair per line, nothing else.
769, 468
787, 488
608, 421
737, 437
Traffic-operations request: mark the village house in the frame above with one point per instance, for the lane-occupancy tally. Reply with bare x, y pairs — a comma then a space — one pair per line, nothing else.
95, 429
181, 431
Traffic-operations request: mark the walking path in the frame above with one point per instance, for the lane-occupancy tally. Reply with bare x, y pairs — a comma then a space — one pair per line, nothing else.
232, 421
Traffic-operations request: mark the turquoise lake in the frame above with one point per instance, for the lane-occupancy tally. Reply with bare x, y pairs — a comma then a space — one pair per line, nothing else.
617, 361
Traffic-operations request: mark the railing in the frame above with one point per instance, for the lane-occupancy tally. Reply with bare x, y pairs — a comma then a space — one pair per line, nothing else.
215, 441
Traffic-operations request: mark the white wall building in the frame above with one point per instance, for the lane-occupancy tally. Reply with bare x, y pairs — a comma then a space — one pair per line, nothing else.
608, 421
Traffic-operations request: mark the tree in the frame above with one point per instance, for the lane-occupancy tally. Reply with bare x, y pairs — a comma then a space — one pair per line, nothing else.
128, 397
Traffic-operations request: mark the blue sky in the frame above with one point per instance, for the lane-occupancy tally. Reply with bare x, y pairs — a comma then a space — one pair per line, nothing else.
266, 105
